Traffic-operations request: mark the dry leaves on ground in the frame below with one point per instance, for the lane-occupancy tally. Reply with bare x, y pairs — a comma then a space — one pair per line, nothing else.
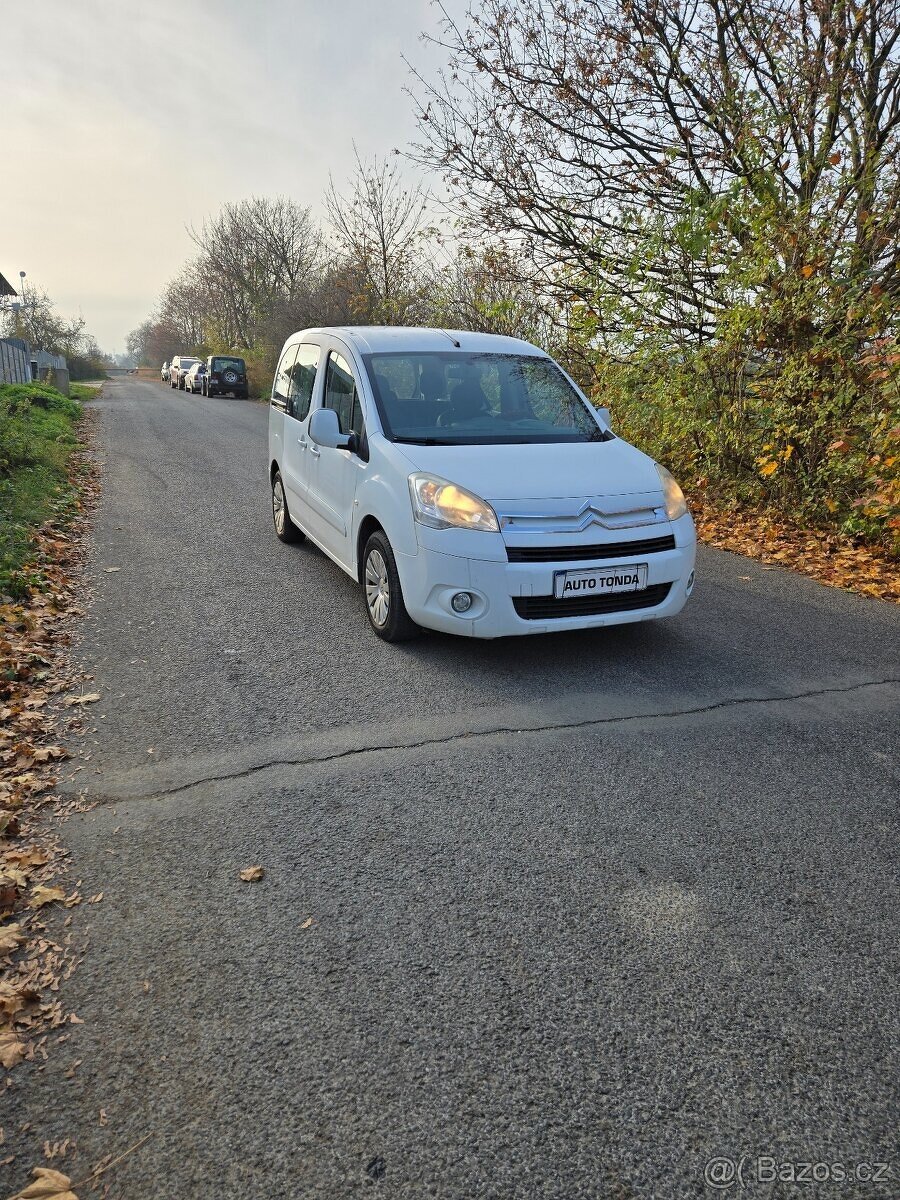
47, 1185
35, 722
252, 874
824, 556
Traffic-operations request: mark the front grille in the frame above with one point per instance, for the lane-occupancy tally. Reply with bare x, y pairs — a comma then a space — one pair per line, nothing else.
539, 554
548, 608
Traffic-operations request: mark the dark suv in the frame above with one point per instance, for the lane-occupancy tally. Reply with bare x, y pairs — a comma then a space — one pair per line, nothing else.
225, 374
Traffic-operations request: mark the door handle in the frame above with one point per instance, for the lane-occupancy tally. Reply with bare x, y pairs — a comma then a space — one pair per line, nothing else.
313, 449
302, 443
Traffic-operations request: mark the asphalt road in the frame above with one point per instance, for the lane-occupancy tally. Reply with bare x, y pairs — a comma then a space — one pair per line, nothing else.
588, 910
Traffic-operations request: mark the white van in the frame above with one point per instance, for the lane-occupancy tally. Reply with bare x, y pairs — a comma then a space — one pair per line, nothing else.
468, 485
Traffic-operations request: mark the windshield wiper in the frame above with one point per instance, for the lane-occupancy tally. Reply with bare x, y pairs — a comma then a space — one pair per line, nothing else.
424, 441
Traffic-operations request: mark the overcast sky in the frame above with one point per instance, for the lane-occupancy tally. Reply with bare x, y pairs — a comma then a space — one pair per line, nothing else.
126, 120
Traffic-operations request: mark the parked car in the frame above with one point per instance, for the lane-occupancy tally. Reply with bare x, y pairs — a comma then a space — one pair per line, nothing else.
178, 368
164, 372
468, 485
195, 378
225, 374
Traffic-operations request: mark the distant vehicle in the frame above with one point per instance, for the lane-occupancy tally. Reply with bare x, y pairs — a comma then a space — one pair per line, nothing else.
195, 378
164, 372
467, 485
224, 374
178, 368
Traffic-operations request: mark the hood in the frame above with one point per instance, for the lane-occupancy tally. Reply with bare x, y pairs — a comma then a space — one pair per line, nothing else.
541, 471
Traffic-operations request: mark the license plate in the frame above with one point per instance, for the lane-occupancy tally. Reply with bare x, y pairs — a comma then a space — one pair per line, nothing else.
567, 585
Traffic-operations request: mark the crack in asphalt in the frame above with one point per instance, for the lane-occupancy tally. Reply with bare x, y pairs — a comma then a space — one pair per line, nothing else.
312, 760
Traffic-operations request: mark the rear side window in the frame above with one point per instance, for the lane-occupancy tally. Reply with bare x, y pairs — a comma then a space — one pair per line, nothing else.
281, 388
303, 376
340, 393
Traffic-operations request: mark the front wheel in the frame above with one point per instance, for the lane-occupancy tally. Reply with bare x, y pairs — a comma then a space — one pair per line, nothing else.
285, 529
384, 596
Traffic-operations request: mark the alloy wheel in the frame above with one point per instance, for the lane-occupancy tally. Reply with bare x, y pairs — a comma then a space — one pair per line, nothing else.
378, 588
279, 507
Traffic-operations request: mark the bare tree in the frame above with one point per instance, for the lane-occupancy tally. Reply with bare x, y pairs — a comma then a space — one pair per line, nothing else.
256, 255
639, 150
379, 228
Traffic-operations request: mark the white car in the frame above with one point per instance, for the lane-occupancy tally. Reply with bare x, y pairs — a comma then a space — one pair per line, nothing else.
193, 379
469, 486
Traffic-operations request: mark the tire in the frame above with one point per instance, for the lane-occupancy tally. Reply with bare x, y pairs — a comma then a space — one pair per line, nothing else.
383, 595
285, 529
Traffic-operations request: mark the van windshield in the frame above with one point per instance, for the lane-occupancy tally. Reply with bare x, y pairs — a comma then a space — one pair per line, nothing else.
455, 398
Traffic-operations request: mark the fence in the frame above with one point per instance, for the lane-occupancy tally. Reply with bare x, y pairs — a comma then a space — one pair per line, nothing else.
15, 361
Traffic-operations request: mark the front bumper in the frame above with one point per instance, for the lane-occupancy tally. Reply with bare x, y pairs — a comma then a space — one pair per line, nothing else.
430, 577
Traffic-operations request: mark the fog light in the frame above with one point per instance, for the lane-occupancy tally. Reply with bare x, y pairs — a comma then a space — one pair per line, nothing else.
461, 602
690, 584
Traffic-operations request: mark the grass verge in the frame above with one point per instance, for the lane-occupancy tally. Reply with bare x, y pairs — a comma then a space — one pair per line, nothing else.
37, 437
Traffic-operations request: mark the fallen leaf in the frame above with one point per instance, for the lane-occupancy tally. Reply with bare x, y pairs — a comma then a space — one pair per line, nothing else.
11, 936
307, 923
43, 753
9, 825
42, 895
252, 874
95, 899
103, 1117
110, 570
75, 1020
12, 1051
90, 698
48, 1185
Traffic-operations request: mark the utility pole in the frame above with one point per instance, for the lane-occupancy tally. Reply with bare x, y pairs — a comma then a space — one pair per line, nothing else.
23, 310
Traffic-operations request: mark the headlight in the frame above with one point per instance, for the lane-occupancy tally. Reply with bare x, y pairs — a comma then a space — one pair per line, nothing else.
444, 505
676, 506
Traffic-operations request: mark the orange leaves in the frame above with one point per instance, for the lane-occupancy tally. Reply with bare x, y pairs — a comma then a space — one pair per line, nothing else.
252, 874
827, 557
839, 446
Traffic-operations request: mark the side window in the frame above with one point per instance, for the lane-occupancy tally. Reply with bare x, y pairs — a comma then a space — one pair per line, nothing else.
281, 389
303, 376
341, 395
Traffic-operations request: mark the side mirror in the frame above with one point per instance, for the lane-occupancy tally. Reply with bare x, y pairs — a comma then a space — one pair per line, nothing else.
604, 416
325, 430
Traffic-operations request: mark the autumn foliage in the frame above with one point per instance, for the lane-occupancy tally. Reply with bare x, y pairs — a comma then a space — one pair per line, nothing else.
711, 190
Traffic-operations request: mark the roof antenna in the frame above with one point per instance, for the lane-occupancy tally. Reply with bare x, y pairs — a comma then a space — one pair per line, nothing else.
451, 337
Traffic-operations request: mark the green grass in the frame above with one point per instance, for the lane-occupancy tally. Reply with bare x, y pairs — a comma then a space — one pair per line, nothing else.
37, 436
81, 391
